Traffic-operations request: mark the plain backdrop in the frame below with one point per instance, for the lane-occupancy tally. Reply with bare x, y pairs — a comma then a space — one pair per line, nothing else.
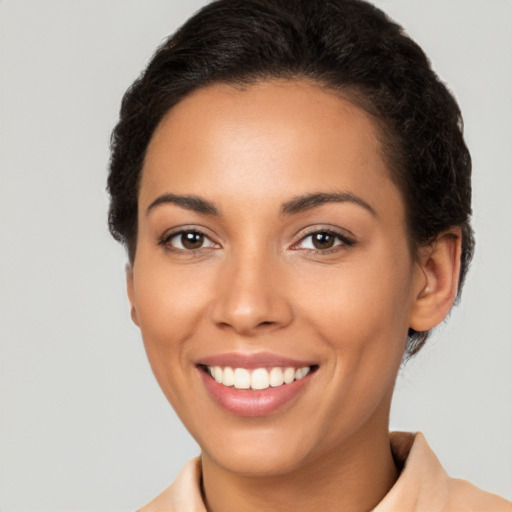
83, 425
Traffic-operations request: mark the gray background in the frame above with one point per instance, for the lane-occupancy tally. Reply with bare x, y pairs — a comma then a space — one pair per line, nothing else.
83, 425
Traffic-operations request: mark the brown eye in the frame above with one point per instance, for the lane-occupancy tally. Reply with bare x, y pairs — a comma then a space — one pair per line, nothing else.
323, 240
192, 240
188, 241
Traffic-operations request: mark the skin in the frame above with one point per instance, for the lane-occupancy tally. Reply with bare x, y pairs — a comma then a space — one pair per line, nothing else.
258, 284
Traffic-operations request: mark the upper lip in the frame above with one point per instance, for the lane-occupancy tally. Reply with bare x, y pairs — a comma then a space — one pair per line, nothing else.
253, 361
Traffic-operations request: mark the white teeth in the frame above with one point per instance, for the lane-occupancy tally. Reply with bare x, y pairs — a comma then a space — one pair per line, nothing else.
300, 373
228, 378
276, 377
289, 375
259, 378
217, 373
242, 379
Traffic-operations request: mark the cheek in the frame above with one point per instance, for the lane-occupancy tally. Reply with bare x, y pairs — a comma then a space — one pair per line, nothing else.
361, 318
361, 311
170, 304
351, 304
168, 300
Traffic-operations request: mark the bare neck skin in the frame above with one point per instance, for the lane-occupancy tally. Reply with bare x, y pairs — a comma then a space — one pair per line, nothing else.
354, 478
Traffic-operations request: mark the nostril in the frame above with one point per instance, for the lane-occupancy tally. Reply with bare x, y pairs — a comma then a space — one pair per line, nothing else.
250, 313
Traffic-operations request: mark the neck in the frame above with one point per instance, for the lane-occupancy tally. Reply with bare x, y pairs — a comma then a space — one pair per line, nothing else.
353, 478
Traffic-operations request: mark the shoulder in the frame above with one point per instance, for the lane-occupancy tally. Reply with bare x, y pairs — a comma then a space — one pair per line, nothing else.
424, 486
184, 495
464, 496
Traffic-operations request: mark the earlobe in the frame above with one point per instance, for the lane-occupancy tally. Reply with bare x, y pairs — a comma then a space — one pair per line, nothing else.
437, 281
130, 292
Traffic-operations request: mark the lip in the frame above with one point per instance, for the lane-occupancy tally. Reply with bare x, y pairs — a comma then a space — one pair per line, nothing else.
253, 361
253, 403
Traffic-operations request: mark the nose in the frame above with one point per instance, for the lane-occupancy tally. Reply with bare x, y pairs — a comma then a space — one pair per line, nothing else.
252, 296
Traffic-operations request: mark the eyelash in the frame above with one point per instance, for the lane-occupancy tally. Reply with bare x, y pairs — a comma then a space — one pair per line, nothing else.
344, 242
166, 241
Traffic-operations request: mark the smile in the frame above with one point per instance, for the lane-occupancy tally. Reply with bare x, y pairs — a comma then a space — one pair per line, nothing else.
257, 379
255, 384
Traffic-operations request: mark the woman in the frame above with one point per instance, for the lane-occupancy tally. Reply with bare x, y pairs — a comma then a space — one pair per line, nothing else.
292, 185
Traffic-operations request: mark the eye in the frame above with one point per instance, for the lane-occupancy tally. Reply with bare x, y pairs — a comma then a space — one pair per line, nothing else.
323, 241
188, 240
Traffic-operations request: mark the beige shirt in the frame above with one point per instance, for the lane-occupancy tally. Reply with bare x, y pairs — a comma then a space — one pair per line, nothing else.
423, 486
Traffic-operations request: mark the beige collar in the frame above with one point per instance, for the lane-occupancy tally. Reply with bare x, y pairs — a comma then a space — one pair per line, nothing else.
423, 485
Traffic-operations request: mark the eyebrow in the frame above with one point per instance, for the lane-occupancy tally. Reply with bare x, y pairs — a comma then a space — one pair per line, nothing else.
193, 203
309, 201
296, 205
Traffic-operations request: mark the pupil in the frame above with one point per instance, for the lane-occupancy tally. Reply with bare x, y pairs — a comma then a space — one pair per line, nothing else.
323, 240
192, 240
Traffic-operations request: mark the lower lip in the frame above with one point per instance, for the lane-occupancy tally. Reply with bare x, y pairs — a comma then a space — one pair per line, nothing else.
246, 402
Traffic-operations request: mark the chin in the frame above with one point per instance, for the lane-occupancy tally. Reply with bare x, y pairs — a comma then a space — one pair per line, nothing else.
258, 458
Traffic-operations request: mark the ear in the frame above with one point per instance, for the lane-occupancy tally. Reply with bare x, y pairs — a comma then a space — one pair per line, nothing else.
437, 280
131, 294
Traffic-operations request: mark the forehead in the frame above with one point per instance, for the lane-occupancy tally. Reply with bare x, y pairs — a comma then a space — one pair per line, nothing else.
272, 138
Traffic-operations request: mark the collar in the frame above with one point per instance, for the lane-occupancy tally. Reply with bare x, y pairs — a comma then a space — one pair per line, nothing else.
423, 485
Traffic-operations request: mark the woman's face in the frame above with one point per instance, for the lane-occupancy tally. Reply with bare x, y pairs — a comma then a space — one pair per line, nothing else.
271, 239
